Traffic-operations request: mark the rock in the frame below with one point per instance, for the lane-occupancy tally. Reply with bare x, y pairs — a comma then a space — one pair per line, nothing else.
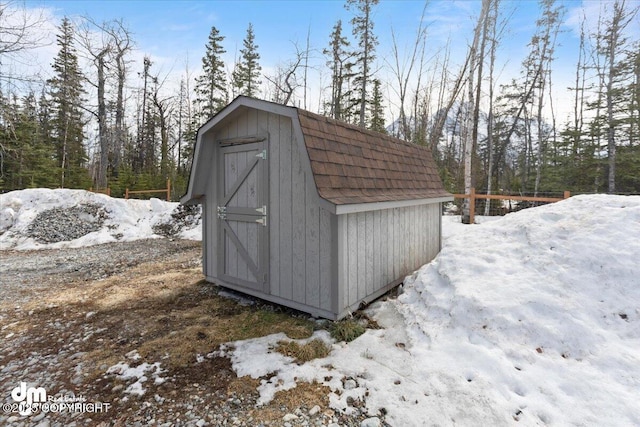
38, 417
313, 411
371, 422
350, 384
58, 224
200, 423
289, 417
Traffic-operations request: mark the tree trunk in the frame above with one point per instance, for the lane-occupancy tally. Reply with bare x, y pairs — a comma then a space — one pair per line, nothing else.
470, 128
102, 123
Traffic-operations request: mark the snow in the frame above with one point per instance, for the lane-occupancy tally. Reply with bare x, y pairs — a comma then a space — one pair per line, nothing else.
139, 373
126, 220
533, 318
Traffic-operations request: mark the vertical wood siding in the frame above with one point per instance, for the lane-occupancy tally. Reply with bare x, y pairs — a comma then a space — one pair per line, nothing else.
383, 246
317, 259
300, 238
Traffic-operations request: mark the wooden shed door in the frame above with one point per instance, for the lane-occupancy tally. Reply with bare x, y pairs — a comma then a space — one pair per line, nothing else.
242, 215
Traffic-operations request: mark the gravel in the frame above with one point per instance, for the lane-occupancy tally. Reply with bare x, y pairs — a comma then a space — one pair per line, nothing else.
183, 217
59, 225
41, 269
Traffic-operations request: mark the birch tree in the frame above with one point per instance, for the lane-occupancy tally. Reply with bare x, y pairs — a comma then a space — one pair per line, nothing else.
611, 48
469, 134
403, 70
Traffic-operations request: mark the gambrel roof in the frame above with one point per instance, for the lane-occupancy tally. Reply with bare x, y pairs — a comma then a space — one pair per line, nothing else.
350, 165
354, 165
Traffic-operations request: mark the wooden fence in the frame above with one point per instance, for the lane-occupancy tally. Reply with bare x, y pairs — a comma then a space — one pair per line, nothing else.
473, 196
167, 190
106, 191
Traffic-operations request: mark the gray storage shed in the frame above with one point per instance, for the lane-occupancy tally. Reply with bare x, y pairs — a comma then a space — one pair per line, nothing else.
309, 212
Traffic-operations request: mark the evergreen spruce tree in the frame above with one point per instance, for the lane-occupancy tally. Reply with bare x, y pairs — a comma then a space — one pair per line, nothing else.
341, 65
66, 98
376, 109
36, 156
211, 86
363, 29
246, 75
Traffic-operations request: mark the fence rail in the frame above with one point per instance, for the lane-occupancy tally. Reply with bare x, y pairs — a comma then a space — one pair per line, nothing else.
473, 196
106, 191
167, 190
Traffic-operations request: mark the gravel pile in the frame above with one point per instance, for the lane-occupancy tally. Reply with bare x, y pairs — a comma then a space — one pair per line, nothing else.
60, 225
182, 218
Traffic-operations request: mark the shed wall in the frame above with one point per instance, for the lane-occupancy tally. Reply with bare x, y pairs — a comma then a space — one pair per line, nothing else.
300, 230
300, 243
379, 248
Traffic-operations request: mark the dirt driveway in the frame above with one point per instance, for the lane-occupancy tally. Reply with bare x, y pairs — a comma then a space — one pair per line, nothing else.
129, 330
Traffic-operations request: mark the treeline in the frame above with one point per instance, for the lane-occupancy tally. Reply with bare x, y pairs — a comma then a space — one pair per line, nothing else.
103, 120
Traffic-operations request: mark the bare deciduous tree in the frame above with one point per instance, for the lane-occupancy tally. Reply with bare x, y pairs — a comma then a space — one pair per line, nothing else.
286, 80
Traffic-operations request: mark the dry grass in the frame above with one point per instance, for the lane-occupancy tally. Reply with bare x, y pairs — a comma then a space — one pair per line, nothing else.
347, 330
304, 352
161, 309
304, 395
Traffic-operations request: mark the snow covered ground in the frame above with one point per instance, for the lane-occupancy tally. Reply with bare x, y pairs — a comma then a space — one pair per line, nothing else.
77, 218
531, 319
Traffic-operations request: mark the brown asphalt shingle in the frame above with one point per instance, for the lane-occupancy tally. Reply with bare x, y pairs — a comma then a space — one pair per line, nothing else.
354, 165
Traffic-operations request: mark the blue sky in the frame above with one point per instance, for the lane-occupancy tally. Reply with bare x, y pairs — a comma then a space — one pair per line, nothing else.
171, 28
175, 32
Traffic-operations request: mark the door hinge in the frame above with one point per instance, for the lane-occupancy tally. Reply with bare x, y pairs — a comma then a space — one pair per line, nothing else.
262, 154
262, 210
222, 212
262, 221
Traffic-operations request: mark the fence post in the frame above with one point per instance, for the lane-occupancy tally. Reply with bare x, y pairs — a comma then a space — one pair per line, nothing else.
566, 194
126, 193
472, 205
168, 190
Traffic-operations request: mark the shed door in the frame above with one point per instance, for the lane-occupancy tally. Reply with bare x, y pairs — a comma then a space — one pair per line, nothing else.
242, 215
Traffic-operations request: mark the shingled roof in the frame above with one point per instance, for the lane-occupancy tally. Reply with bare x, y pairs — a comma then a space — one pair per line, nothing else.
352, 165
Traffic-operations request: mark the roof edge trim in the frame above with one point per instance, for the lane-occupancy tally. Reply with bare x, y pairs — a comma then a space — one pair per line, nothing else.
375, 206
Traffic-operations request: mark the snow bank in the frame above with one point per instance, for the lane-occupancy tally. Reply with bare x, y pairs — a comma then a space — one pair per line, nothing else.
538, 313
108, 219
